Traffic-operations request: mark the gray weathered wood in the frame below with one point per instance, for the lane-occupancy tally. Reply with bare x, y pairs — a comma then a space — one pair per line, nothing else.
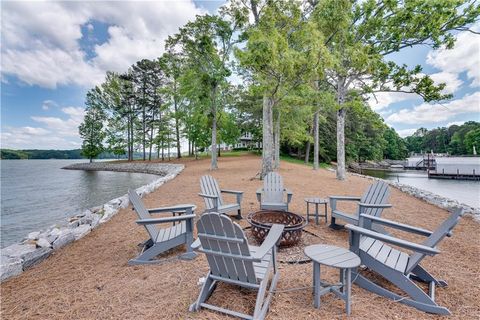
212, 195
233, 261
373, 202
163, 238
272, 195
341, 258
398, 267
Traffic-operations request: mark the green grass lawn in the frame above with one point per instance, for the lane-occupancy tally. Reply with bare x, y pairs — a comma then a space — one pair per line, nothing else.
300, 161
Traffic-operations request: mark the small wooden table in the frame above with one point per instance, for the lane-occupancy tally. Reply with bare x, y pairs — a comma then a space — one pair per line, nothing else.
180, 212
316, 201
335, 257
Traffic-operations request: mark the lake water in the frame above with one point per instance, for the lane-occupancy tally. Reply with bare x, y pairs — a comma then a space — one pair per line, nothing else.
464, 191
36, 194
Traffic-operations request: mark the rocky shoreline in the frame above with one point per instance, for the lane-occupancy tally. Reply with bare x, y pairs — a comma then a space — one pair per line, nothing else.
432, 198
39, 245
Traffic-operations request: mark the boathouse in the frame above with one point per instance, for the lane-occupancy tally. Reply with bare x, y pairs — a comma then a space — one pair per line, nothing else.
456, 168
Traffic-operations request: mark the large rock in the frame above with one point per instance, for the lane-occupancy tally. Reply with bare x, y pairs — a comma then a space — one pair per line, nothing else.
63, 239
35, 257
18, 250
33, 235
43, 243
53, 235
108, 212
9, 267
81, 231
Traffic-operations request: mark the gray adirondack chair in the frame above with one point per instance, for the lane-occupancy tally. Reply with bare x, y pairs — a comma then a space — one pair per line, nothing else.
163, 239
373, 202
233, 261
212, 195
272, 195
397, 266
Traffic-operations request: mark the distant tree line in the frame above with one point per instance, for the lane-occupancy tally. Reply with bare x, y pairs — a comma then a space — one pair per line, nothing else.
455, 140
9, 154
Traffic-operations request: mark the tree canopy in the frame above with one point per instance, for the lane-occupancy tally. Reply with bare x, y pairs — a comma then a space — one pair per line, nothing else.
291, 74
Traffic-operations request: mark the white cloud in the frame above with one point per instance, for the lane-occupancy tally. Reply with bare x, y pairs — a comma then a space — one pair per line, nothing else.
55, 132
48, 104
431, 113
451, 80
40, 40
406, 132
464, 57
382, 100
455, 123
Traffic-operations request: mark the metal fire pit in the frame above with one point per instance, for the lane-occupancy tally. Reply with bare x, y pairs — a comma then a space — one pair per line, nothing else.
262, 221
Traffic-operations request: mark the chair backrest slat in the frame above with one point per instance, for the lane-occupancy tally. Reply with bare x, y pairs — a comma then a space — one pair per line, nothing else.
273, 188
377, 193
441, 232
228, 261
142, 213
208, 185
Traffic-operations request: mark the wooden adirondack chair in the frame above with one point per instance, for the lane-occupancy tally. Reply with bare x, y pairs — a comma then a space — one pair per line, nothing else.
397, 266
163, 239
212, 194
271, 196
373, 202
233, 261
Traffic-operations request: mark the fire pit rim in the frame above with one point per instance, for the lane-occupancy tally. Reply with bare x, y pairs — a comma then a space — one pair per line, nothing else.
299, 225
289, 229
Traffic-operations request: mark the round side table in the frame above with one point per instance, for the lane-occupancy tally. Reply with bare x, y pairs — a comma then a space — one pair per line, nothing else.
316, 202
336, 257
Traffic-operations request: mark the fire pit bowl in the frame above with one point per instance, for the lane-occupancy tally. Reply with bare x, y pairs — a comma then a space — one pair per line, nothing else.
262, 221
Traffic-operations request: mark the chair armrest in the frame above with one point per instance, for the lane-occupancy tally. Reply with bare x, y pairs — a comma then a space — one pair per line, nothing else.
395, 241
270, 241
210, 196
397, 225
231, 191
372, 205
239, 194
345, 198
196, 244
259, 194
181, 207
165, 220
289, 194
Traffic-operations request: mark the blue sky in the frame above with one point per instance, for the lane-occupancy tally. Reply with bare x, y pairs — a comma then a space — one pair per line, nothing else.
53, 52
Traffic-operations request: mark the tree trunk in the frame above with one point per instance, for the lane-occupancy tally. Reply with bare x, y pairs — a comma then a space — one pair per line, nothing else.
151, 137
144, 131
214, 164
341, 144
276, 142
218, 151
91, 159
315, 143
307, 148
267, 145
177, 125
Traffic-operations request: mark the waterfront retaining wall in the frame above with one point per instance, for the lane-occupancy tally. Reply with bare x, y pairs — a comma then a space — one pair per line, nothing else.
39, 245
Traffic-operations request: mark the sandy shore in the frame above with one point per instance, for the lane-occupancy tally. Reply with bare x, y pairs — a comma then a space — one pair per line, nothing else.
90, 279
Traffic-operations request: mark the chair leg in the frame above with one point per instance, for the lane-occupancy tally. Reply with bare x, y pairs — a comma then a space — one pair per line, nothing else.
147, 255
262, 304
416, 296
420, 274
334, 225
239, 215
207, 288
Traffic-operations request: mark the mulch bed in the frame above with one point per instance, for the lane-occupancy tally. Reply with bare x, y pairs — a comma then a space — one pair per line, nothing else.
91, 278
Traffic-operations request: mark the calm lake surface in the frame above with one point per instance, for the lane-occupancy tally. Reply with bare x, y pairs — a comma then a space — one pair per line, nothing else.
464, 191
36, 194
